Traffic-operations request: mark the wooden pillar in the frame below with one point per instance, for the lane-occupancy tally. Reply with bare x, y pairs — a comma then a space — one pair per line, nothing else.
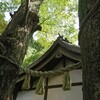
46, 90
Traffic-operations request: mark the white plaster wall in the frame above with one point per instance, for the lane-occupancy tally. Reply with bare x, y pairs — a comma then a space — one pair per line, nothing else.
53, 94
58, 94
29, 95
75, 76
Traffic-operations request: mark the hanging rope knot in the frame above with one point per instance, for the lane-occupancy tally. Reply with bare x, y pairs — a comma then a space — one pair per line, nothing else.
40, 86
26, 83
66, 81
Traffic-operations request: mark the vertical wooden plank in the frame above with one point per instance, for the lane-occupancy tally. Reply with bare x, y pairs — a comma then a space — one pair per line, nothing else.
64, 63
46, 90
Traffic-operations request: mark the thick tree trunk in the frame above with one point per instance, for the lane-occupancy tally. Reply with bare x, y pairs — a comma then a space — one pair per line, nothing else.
89, 39
13, 45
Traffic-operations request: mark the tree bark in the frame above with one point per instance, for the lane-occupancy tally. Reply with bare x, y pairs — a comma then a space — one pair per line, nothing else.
89, 39
13, 44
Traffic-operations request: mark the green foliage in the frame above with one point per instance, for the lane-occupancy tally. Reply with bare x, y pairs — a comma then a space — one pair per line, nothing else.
3, 23
59, 17
35, 50
6, 6
56, 17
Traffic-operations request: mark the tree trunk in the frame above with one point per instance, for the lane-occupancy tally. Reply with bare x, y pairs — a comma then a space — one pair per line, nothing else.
89, 39
13, 44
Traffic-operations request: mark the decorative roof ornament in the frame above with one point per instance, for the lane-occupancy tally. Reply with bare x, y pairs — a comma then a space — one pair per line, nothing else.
62, 38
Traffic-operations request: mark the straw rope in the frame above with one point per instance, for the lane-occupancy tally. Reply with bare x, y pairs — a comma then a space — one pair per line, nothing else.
43, 75
51, 73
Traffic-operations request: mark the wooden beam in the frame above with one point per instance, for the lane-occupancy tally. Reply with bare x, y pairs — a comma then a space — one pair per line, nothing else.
60, 85
46, 90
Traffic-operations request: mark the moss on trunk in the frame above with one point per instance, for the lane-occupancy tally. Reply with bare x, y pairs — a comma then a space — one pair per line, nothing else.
13, 45
90, 49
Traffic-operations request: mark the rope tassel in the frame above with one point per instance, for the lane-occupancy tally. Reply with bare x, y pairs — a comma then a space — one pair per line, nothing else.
66, 81
40, 86
26, 83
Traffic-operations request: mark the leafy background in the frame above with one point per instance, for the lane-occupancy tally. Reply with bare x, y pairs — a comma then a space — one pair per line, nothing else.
56, 17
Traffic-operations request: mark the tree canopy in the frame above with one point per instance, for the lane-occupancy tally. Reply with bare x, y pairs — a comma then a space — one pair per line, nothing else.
56, 17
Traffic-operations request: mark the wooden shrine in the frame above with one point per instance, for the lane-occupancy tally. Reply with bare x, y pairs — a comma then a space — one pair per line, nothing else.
60, 55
